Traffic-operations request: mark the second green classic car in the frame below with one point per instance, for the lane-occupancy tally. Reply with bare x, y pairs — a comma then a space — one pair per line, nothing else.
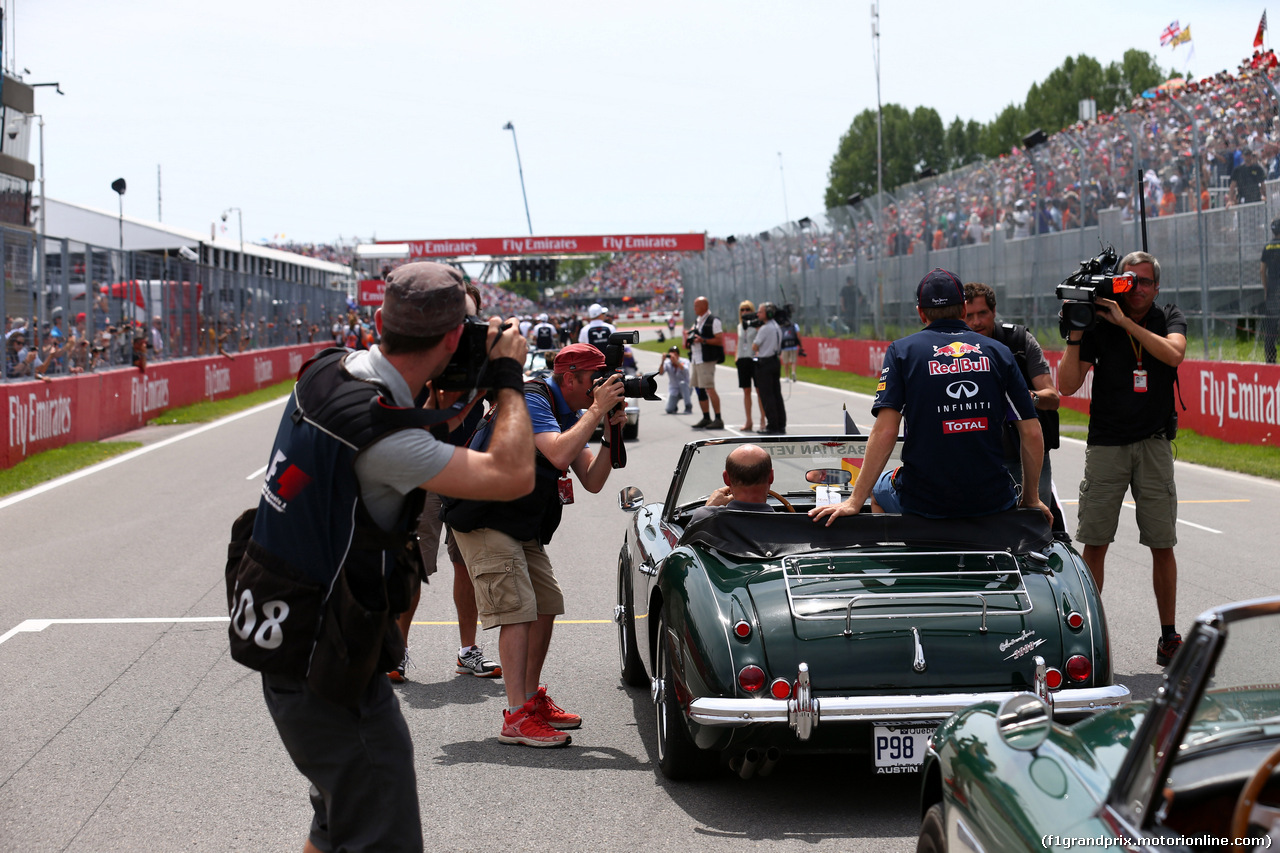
760, 634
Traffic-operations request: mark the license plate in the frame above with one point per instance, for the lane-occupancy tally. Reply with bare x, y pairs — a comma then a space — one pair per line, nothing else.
900, 748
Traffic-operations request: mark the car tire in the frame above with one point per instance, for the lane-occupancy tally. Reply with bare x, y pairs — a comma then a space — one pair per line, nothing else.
933, 833
678, 756
632, 665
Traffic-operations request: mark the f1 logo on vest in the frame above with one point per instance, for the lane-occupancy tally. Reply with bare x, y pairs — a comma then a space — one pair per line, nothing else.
292, 481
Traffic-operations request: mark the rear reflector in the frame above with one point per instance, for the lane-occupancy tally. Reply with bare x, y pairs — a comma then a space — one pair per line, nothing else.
1075, 621
781, 688
742, 629
1078, 668
751, 679
1053, 678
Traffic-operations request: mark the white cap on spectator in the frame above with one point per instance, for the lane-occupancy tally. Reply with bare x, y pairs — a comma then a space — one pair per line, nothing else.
595, 310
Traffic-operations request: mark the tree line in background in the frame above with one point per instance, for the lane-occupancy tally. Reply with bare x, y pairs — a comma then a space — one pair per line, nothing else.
916, 140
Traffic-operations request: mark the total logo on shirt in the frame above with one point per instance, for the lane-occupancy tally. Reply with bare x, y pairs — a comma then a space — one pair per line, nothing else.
964, 425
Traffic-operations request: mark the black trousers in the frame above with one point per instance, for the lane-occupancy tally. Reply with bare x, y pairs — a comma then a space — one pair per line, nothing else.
768, 379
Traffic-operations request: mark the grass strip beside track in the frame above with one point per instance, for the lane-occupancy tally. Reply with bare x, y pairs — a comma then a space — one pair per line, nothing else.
1188, 447
211, 410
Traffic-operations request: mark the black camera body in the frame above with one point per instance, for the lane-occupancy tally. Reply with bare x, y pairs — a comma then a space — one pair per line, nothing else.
632, 386
1095, 279
751, 321
465, 369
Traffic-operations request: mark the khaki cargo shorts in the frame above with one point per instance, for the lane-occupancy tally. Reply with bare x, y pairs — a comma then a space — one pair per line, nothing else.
704, 374
513, 579
1145, 468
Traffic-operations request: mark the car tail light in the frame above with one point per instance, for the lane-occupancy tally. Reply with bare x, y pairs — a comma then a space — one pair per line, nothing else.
742, 629
781, 688
1079, 668
751, 679
1053, 678
1075, 621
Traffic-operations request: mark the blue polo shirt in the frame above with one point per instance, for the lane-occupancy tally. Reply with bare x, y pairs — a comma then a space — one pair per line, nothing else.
955, 389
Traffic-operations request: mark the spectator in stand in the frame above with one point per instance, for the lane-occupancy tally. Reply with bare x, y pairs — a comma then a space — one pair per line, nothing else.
1248, 181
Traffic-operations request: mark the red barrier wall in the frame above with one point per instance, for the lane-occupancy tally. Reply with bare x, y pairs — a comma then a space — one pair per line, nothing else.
90, 407
1233, 401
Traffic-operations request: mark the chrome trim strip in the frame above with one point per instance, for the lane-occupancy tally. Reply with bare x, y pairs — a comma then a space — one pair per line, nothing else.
722, 711
918, 662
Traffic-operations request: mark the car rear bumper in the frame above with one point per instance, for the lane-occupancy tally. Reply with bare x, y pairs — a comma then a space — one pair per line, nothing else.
802, 714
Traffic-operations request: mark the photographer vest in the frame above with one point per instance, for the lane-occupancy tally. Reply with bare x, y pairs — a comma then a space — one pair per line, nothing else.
536, 515
1015, 337
314, 591
709, 352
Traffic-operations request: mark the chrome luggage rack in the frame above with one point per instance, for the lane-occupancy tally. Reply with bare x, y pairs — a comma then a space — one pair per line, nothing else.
812, 597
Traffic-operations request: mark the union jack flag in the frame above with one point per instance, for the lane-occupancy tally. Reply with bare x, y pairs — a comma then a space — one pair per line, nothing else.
1170, 33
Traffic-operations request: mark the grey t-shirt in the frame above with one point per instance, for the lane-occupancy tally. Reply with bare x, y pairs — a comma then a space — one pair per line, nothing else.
769, 340
394, 466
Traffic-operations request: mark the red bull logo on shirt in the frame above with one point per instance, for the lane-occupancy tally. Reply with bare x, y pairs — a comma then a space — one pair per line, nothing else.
957, 349
967, 365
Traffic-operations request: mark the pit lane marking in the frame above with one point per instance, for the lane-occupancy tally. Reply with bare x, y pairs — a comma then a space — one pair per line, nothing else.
37, 625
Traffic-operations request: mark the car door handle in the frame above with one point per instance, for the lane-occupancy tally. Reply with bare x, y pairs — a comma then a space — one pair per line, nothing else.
648, 569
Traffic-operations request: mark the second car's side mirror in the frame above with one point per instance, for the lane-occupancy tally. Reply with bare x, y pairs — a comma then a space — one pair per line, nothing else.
1024, 721
630, 499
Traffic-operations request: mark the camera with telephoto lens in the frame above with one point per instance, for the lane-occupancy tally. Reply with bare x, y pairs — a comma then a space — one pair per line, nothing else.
750, 320
632, 386
465, 369
1095, 279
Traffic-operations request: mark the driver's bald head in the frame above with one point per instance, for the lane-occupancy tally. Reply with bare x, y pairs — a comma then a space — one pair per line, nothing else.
748, 465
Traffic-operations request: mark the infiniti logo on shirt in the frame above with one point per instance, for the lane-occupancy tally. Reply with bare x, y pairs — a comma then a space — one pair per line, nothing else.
965, 389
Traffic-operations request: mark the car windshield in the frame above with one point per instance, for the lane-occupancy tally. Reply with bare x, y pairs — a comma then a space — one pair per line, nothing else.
801, 467
1241, 699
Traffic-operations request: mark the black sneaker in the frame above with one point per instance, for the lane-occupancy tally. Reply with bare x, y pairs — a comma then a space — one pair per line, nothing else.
704, 423
718, 423
1167, 648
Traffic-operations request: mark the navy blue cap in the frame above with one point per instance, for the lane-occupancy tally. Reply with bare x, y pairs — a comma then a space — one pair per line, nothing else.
939, 288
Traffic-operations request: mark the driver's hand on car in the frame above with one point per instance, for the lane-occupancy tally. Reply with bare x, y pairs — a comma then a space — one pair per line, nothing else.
833, 511
510, 344
1036, 503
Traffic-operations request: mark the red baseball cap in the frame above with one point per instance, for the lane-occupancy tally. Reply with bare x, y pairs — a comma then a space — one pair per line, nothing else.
577, 357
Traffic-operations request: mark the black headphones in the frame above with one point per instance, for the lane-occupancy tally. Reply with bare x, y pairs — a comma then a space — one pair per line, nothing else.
769, 310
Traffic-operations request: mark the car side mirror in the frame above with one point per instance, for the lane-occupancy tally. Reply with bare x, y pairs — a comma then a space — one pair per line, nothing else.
1024, 721
630, 499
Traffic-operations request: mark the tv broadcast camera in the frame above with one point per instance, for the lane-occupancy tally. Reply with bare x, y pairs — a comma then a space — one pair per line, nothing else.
632, 386
1095, 279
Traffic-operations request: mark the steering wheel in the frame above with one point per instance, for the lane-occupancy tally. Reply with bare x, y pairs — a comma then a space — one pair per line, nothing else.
786, 504
1248, 809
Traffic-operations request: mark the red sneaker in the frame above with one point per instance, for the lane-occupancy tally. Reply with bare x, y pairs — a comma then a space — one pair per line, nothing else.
526, 728
551, 713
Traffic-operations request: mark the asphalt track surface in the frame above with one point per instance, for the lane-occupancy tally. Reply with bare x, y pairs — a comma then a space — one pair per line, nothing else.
125, 725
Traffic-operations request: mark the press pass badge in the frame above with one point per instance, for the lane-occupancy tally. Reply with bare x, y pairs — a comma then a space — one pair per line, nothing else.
566, 490
1140, 381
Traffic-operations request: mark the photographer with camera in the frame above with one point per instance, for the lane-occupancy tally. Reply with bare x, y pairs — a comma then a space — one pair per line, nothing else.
503, 542
706, 350
677, 372
768, 371
746, 366
315, 590
1134, 354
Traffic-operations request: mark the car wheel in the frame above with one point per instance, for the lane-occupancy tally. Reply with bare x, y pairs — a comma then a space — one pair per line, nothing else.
628, 653
933, 835
678, 756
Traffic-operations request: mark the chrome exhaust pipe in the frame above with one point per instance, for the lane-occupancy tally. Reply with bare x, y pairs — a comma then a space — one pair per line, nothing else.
750, 761
771, 756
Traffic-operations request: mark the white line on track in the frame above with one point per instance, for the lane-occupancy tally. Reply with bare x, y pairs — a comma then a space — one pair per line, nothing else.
133, 454
32, 625
256, 474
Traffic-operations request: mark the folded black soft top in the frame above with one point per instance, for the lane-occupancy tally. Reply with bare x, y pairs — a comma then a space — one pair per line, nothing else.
768, 535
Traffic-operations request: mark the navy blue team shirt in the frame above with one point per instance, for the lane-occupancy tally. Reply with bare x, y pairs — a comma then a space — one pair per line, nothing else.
955, 389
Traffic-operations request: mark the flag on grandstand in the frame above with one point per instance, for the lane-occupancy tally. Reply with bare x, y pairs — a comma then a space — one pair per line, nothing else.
1262, 28
1170, 33
1182, 37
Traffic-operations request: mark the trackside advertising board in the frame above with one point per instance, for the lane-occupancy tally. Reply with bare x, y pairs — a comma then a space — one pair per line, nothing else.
1232, 401
93, 406
419, 249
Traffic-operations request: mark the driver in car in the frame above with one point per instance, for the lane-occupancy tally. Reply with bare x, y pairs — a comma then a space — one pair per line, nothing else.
748, 474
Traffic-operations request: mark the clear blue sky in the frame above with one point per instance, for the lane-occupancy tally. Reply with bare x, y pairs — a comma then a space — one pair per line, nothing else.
321, 119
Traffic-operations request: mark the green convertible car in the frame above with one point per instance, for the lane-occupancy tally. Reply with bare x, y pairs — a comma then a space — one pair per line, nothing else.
1192, 769
760, 634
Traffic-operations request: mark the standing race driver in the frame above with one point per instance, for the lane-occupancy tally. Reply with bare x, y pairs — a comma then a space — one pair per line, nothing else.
955, 389
315, 591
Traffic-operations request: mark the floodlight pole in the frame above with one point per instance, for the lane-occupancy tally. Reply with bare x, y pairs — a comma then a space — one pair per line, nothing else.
240, 266
786, 212
520, 168
875, 53
1204, 250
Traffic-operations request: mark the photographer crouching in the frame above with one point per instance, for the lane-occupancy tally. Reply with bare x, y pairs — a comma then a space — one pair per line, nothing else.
315, 591
1134, 353
503, 541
